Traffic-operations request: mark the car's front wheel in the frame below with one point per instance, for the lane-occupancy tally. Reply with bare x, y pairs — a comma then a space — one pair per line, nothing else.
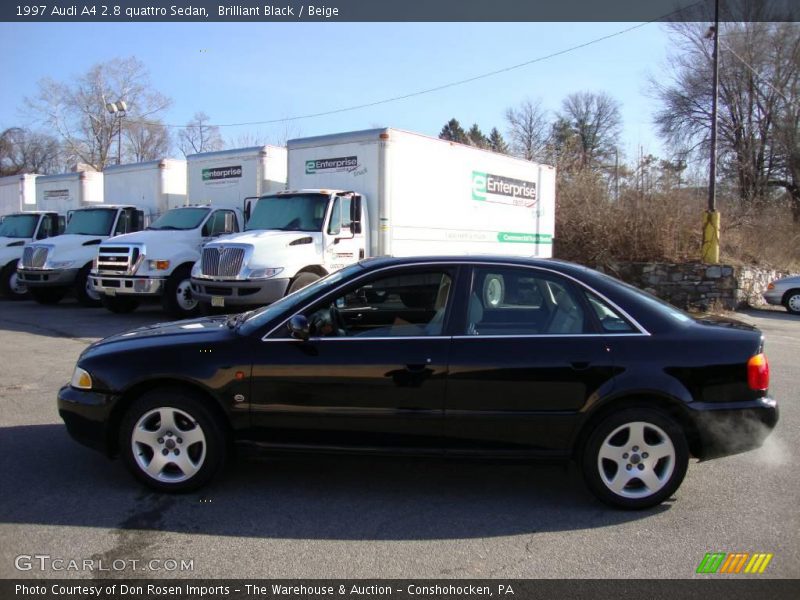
791, 300
171, 441
635, 458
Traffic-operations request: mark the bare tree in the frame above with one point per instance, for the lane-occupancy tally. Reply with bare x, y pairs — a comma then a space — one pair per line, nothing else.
149, 140
528, 130
26, 151
594, 123
199, 136
76, 111
759, 93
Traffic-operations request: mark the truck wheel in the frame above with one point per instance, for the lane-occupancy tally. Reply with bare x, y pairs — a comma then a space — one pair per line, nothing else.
84, 292
301, 281
171, 442
178, 300
636, 458
791, 301
10, 285
119, 304
48, 295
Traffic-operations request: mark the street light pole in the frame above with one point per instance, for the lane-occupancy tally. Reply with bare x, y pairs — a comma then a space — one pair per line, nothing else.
711, 221
118, 109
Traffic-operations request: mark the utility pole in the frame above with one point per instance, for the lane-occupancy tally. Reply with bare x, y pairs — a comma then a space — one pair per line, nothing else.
711, 221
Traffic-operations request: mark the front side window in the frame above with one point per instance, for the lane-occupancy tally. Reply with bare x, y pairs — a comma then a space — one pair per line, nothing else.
289, 212
517, 301
93, 221
18, 226
182, 219
390, 306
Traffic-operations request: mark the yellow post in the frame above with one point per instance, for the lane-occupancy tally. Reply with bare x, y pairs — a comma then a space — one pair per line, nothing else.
711, 237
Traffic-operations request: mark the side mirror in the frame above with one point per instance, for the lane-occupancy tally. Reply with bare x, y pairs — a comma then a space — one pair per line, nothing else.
229, 222
355, 215
299, 328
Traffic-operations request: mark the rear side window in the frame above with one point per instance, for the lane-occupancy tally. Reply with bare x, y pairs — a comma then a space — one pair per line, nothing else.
518, 301
610, 320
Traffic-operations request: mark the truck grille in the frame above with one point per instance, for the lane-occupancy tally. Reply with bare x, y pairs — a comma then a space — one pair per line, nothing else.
34, 257
118, 260
222, 262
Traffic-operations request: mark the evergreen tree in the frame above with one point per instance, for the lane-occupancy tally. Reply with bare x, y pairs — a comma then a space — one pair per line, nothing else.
453, 132
476, 137
496, 142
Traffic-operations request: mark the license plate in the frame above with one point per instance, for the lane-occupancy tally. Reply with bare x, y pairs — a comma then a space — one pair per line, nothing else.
217, 301
111, 292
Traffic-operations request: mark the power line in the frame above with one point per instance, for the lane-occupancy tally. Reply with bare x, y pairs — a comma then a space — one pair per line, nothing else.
445, 85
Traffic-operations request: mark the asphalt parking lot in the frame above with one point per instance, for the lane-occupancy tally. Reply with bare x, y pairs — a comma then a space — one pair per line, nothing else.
323, 517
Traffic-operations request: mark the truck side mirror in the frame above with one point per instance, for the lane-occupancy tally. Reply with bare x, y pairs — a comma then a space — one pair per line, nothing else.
355, 215
62, 224
299, 328
229, 222
247, 205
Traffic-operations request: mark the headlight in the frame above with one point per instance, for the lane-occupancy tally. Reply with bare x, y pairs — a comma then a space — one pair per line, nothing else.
771, 286
158, 265
264, 273
59, 264
81, 379
196, 269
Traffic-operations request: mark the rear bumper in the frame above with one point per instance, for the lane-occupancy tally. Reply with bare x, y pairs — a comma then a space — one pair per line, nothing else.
731, 428
239, 293
85, 415
47, 277
127, 286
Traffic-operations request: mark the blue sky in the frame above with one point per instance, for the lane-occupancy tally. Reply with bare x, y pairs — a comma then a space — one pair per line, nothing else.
238, 72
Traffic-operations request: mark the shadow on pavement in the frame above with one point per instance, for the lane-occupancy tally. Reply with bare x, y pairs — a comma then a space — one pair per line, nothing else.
58, 482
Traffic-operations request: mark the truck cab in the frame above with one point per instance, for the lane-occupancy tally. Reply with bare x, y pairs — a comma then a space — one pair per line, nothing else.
290, 239
51, 269
17, 230
155, 264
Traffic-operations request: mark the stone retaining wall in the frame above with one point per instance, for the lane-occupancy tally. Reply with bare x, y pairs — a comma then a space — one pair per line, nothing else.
697, 285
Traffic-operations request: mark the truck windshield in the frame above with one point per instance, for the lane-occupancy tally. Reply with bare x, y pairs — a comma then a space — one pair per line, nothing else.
94, 221
181, 218
289, 212
19, 226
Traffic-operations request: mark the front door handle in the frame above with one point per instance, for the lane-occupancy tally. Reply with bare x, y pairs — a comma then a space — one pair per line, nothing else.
580, 365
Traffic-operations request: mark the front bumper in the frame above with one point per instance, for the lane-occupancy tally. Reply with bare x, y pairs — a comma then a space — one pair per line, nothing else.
110, 285
86, 414
773, 297
47, 277
731, 428
239, 293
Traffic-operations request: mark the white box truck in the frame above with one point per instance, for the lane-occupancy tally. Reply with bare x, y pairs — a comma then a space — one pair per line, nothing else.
67, 191
17, 193
156, 183
156, 263
372, 193
17, 230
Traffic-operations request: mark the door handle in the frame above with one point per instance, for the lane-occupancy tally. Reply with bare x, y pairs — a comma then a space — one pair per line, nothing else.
418, 367
580, 365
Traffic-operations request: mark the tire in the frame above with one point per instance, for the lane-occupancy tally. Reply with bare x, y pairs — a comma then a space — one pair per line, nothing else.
177, 300
791, 301
84, 292
119, 304
195, 450
643, 445
301, 281
48, 295
10, 287
494, 290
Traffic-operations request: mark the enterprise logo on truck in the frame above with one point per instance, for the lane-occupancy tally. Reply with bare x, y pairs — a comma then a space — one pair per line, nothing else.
222, 173
343, 163
487, 187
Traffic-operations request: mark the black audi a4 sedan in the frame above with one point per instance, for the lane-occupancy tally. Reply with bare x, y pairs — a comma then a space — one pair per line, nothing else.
443, 356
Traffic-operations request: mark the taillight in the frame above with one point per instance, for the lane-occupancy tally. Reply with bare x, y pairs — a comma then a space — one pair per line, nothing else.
758, 372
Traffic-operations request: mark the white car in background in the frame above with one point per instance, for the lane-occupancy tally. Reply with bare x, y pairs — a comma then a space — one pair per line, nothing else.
785, 292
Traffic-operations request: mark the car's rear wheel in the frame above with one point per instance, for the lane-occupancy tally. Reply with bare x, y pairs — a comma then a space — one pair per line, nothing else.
119, 304
791, 300
10, 285
48, 295
635, 458
171, 442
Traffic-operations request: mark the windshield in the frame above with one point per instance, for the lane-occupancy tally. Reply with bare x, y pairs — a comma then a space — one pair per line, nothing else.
181, 218
264, 315
94, 221
289, 212
19, 226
